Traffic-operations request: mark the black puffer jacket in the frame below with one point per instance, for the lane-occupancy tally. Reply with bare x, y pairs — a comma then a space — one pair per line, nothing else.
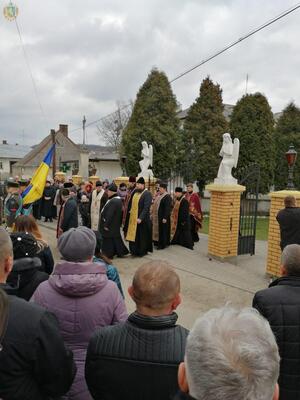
289, 222
26, 276
280, 305
34, 362
136, 360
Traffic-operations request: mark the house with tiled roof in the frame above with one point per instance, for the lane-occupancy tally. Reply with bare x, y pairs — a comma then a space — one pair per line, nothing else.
71, 157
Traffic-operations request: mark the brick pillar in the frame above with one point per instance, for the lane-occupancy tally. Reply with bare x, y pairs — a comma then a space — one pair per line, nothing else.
224, 220
274, 251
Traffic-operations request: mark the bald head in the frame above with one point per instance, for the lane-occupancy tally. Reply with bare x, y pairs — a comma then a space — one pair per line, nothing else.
290, 260
6, 255
155, 287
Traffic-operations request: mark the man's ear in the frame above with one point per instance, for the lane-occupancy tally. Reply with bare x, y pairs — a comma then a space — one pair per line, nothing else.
176, 301
276, 392
182, 381
130, 292
8, 265
283, 271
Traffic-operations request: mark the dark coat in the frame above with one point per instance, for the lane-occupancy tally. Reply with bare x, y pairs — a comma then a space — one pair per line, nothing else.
183, 235
47, 260
47, 202
70, 216
145, 352
143, 242
183, 396
34, 362
280, 305
85, 212
289, 222
110, 228
164, 212
111, 218
26, 277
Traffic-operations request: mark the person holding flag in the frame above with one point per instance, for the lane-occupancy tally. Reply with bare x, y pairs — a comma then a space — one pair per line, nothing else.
35, 189
13, 204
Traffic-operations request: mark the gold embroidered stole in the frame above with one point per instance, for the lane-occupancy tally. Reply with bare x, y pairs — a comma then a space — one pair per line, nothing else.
155, 222
134, 214
174, 217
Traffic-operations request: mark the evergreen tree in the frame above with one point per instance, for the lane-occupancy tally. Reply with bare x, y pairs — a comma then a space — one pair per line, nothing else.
154, 120
287, 132
203, 129
253, 123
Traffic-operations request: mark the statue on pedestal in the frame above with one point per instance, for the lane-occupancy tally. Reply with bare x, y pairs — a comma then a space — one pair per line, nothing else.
147, 161
230, 153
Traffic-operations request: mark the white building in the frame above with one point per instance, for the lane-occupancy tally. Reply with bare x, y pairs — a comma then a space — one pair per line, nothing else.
10, 154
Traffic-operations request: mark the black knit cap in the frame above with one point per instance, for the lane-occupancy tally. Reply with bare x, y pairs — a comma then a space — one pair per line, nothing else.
68, 185
178, 189
141, 180
164, 185
132, 179
112, 187
12, 184
98, 183
24, 245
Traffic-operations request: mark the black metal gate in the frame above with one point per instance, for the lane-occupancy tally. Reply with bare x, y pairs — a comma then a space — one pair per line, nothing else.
250, 178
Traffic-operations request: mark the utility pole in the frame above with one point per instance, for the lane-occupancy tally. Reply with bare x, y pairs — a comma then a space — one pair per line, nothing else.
247, 76
83, 128
54, 153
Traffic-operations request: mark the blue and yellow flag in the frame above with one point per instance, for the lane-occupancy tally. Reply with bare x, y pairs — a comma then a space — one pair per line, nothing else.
35, 189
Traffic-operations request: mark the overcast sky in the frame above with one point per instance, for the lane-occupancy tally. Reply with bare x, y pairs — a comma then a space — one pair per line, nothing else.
87, 54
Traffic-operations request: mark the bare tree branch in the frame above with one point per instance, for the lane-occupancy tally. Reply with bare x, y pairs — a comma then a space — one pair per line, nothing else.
110, 129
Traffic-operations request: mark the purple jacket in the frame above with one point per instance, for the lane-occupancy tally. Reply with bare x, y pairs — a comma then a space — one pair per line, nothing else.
83, 299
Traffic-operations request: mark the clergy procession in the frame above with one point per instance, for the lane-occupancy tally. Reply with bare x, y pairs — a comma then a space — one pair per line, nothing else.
138, 217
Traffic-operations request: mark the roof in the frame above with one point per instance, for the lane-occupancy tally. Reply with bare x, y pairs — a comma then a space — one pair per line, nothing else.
100, 153
15, 151
228, 108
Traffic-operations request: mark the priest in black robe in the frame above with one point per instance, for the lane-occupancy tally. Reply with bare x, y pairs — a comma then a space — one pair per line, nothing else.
138, 228
110, 225
180, 221
161, 216
47, 202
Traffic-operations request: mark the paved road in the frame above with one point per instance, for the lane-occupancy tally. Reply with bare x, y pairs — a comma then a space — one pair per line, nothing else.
204, 283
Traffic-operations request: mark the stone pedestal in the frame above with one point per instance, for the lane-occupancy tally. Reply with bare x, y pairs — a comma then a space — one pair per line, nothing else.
121, 179
274, 251
61, 176
94, 179
224, 220
77, 179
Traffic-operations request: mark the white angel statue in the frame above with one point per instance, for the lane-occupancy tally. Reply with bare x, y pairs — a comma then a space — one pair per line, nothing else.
147, 161
230, 154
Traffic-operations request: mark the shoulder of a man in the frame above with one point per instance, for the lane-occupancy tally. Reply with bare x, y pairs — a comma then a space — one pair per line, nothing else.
25, 318
103, 339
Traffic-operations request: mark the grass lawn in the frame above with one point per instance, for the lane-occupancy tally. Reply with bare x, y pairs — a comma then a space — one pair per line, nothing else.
261, 228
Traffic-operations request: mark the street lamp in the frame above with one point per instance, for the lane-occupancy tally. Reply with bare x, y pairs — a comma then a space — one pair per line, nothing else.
291, 156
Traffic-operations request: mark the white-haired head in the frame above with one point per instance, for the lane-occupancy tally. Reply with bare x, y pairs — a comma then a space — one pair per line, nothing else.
232, 354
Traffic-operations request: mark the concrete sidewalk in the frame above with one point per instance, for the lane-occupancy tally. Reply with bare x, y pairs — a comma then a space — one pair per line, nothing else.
205, 283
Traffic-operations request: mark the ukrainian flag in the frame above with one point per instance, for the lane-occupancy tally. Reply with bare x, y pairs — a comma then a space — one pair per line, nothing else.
35, 189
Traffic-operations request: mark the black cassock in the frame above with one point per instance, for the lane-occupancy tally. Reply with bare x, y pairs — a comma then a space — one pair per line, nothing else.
164, 212
110, 225
183, 235
47, 202
143, 239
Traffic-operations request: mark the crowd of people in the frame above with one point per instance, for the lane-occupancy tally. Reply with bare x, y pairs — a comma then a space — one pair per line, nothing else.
65, 332
142, 218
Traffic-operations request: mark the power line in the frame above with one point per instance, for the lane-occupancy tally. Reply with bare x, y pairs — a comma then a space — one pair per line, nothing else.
31, 75
102, 118
268, 23
219, 52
